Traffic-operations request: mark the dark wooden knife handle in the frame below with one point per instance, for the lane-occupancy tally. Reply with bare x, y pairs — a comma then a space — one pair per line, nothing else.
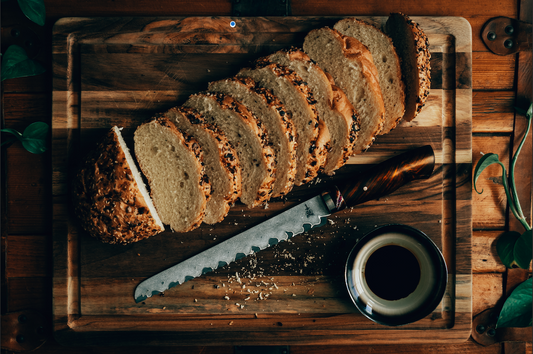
382, 179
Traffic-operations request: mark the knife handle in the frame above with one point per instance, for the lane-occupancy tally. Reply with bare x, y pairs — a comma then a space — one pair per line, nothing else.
381, 179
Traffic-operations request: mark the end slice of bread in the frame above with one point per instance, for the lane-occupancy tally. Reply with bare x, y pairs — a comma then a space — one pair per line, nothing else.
412, 46
110, 197
350, 64
387, 64
333, 107
311, 133
276, 120
173, 164
221, 162
249, 139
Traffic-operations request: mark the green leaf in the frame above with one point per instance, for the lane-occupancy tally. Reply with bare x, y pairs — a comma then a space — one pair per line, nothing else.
34, 138
15, 63
484, 162
516, 311
505, 247
522, 250
34, 10
12, 131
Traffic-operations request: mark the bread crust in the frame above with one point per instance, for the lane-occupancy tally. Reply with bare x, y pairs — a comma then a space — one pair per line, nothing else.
418, 90
352, 49
317, 153
107, 199
226, 153
337, 102
203, 180
391, 120
286, 124
264, 192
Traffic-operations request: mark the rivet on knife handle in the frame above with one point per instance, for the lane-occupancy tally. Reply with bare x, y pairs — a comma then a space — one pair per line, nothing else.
382, 179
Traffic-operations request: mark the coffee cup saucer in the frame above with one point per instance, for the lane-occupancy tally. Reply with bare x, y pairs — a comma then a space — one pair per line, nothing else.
382, 304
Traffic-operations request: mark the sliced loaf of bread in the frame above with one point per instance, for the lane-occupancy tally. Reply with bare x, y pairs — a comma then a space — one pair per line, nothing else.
412, 46
387, 63
350, 64
173, 164
247, 135
221, 163
311, 133
341, 123
109, 196
276, 120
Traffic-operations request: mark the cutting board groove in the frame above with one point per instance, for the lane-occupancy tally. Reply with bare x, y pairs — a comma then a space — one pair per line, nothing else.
122, 71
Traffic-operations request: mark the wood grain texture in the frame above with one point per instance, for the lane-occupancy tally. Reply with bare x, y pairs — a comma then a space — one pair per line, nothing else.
143, 66
490, 207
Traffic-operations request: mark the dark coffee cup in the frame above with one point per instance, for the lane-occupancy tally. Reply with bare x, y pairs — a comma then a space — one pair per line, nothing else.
396, 275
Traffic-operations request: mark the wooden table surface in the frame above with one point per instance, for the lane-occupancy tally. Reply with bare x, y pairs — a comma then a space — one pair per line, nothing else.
499, 82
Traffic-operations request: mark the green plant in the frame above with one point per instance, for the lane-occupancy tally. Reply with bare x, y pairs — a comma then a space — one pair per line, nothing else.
33, 9
15, 63
514, 249
34, 138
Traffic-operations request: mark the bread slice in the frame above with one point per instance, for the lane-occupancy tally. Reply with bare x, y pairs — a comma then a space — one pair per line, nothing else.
276, 120
311, 133
412, 46
173, 164
387, 63
110, 197
221, 163
246, 134
341, 123
351, 65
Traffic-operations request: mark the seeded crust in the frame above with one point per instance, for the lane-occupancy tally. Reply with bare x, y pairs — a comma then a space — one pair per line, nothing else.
263, 192
285, 149
106, 198
387, 63
221, 163
169, 214
351, 51
342, 104
314, 150
412, 46
333, 106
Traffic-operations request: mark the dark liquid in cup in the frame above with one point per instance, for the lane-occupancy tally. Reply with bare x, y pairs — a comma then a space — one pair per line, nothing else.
392, 272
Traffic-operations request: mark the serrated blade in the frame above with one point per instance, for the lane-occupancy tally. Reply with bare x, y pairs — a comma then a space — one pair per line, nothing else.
294, 221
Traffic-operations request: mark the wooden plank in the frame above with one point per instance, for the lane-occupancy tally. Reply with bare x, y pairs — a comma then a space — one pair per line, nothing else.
490, 207
27, 196
485, 259
28, 256
32, 292
469, 347
493, 72
493, 112
487, 291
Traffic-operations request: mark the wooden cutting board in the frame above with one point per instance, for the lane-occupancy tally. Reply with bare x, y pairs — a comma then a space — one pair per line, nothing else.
122, 71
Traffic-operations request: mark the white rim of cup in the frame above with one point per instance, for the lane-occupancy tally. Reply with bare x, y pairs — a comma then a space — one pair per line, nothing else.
401, 306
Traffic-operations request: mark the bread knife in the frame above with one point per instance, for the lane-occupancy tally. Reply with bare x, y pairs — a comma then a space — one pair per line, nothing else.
378, 181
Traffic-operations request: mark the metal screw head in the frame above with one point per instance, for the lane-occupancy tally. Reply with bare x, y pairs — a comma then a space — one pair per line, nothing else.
480, 329
491, 36
508, 43
509, 29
